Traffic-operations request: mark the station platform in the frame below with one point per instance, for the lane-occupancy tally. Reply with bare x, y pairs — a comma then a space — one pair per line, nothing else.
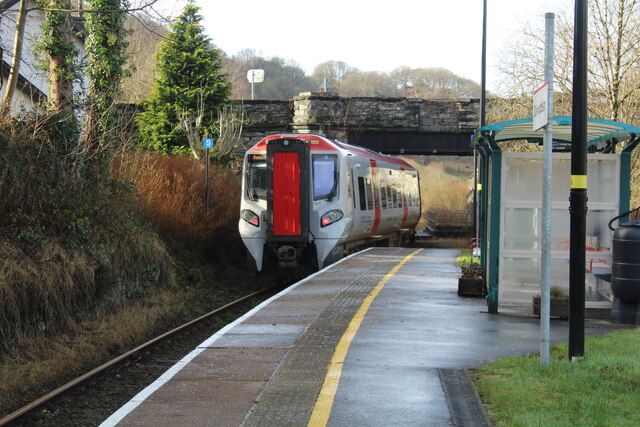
379, 338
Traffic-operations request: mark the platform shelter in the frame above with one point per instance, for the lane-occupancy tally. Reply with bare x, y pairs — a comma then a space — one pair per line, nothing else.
510, 207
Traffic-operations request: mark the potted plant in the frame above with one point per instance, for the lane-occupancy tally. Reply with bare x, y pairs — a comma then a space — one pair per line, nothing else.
471, 283
558, 303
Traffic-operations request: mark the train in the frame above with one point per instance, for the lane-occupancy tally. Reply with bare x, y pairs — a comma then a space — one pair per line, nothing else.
307, 201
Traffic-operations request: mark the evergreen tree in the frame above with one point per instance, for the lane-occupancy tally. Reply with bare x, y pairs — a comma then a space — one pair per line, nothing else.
189, 90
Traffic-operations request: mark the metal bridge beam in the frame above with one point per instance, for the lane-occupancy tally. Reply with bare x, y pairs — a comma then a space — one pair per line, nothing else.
441, 143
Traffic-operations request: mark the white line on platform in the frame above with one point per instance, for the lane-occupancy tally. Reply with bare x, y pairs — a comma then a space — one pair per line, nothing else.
117, 416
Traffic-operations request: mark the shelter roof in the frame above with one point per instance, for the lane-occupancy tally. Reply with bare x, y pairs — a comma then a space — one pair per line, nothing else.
598, 130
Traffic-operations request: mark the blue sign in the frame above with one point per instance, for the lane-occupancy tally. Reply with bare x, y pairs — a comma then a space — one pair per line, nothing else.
208, 143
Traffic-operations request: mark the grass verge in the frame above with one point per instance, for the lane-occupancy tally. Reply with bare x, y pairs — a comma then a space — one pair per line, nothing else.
603, 389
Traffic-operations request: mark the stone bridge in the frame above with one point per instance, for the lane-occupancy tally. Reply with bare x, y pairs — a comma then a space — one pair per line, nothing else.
389, 125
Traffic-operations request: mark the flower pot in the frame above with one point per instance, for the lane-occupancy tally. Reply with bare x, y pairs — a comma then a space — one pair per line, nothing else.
471, 287
558, 307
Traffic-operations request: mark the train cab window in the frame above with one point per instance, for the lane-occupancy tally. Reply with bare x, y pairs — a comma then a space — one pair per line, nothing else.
325, 176
362, 194
257, 177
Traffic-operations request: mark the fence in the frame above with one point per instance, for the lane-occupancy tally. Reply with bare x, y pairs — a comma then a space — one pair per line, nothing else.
445, 222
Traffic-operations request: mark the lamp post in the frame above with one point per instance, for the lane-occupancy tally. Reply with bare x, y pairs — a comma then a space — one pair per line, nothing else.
578, 192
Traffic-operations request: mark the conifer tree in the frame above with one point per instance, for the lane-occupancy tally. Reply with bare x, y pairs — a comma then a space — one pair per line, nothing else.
189, 90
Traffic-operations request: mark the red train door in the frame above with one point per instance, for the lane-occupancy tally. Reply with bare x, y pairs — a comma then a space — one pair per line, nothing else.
288, 198
286, 194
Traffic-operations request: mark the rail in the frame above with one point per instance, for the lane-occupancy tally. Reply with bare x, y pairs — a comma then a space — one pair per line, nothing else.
100, 369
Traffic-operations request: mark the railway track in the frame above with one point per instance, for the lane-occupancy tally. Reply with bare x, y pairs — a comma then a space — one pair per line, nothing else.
92, 397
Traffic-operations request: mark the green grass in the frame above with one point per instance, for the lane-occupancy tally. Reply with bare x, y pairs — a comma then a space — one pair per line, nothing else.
603, 389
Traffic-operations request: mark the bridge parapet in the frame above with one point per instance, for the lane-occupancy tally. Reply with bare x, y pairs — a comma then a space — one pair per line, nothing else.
350, 119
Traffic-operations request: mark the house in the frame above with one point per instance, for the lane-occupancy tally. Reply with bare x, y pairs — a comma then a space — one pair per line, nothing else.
33, 80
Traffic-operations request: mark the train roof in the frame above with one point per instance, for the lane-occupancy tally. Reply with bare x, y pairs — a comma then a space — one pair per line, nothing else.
320, 143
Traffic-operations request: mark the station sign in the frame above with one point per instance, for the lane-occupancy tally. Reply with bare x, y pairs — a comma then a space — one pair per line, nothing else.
540, 107
208, 143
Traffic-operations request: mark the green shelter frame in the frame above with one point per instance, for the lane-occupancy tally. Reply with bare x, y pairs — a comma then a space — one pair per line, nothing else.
603, 136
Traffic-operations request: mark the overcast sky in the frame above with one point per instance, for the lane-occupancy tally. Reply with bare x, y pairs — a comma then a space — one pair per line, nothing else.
373, 35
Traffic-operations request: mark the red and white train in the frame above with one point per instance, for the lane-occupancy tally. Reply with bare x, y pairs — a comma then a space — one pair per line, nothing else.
307, 201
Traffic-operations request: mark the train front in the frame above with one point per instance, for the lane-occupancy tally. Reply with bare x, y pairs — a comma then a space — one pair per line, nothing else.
292, 216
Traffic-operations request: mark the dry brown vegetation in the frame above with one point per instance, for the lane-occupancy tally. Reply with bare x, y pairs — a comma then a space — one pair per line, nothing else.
42, 362
443, 186
172, 196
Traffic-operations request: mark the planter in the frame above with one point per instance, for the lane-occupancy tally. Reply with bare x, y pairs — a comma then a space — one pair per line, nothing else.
471, 287
558, 307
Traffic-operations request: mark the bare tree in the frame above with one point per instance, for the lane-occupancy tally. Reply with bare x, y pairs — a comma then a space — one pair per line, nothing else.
331, 73
231, 121
614, 62
434, 83
12, 81
371, 83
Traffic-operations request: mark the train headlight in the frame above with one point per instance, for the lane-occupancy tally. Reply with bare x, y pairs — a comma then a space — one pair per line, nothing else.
331, 217
250, 217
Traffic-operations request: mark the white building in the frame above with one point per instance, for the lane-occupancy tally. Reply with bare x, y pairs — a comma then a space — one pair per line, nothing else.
33, 80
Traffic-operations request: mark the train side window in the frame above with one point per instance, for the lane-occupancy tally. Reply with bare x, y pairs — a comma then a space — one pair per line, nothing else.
369, 194
394, 203
389, 197
383, 194
325, 176
257, 177
362, 194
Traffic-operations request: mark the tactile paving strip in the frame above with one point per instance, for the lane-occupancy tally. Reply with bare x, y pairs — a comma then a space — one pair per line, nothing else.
289, 397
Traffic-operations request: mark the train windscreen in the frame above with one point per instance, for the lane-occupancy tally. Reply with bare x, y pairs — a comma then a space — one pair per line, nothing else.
257, 177
325, 176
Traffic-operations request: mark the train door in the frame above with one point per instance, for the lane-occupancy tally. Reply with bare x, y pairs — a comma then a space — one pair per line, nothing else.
287, 198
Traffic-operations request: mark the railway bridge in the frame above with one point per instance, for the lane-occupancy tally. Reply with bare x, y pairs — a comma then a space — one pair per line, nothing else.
388, 125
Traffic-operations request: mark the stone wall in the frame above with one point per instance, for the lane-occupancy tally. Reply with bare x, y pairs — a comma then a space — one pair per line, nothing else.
338, 117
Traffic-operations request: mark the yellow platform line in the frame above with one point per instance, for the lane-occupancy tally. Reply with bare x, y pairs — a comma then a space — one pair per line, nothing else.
324, 402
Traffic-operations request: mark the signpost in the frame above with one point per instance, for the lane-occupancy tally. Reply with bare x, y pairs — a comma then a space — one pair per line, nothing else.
207, 144
542, 118
255, 76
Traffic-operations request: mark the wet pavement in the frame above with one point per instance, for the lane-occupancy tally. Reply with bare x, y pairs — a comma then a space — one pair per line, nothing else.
404, 366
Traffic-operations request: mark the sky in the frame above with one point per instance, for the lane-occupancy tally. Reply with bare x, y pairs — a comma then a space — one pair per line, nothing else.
374, 35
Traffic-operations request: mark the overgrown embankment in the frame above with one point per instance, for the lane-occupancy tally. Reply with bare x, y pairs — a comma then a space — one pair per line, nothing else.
101, 249
71, 242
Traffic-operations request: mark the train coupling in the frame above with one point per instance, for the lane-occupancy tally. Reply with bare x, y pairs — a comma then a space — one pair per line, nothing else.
287, 255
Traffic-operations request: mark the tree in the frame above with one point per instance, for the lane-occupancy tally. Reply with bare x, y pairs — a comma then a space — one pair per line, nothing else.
434, 83
144, 37
56, 42
332, 73
370, 83
283, 78
189, 90
105, 47
12, 80
614, 60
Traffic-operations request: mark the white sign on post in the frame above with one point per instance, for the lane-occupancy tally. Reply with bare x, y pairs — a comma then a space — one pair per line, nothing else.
255, 76
540, 112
